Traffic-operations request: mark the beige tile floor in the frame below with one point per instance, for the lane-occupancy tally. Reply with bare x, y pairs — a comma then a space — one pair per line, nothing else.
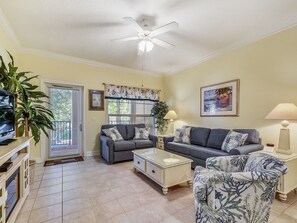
93, 192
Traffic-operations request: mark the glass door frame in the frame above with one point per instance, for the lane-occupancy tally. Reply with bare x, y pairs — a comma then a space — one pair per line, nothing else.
45, 84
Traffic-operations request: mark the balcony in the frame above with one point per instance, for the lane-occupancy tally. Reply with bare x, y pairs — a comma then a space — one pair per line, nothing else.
61, 141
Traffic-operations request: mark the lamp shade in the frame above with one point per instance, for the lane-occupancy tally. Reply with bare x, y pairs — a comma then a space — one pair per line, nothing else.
171, 115
283, 111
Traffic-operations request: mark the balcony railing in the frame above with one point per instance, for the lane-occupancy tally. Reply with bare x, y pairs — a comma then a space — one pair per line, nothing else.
62, 133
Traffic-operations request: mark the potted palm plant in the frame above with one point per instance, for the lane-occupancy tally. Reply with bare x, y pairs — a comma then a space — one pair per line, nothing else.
159, 111
32, 117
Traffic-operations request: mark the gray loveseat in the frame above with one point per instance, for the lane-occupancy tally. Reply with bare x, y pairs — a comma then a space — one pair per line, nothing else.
206, 142
122, 150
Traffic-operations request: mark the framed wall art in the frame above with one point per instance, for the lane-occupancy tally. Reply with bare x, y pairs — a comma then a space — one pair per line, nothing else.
96, 100
220, 99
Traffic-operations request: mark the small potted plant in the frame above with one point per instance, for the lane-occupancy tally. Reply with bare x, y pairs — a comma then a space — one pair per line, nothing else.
159, 111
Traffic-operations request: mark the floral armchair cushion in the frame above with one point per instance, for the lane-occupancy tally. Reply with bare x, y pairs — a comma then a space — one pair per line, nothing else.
233, 196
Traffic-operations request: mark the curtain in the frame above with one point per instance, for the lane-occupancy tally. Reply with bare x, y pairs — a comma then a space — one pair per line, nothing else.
131, 93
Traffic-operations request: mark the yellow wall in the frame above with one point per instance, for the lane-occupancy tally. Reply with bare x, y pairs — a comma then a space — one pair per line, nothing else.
93, 77
267, 71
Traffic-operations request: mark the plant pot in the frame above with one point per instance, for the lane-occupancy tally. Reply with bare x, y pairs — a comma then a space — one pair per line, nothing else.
32, 170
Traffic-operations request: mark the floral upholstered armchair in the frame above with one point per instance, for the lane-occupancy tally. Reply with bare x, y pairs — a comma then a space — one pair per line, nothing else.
236, 188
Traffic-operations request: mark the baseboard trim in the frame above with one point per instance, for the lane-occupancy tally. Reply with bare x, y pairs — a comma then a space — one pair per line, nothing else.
38, 160
92, 153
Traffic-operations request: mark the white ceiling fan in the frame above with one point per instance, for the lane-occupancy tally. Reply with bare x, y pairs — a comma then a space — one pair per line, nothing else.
147, 35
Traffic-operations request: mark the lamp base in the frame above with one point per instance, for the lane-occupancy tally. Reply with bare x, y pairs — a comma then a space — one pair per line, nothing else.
170, 127
284, 141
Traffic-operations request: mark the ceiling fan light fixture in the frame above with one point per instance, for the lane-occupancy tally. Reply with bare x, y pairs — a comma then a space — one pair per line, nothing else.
145, 45
149, 46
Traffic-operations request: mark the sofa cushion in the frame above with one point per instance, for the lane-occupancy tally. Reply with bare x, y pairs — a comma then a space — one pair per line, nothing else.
130, 129
199, 136
216, 138
179, 147
233, 140
121, 129
205, 152
253, 136
124, 145
143, 143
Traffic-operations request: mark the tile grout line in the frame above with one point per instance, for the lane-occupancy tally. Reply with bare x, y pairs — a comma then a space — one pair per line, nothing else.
34, 199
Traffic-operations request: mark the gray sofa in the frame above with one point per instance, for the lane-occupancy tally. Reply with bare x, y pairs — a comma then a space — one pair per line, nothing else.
122, 150
206, 142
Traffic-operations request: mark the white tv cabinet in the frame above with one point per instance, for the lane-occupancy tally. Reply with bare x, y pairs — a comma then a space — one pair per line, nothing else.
17, 151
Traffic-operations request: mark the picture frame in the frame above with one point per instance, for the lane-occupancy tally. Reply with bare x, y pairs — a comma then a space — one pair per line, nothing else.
96, 100
220, 99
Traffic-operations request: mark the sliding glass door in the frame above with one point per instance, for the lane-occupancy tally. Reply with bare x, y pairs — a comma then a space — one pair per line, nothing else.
66, 139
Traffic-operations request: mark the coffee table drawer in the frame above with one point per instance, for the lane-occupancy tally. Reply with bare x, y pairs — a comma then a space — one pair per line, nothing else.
155, 172
139, 163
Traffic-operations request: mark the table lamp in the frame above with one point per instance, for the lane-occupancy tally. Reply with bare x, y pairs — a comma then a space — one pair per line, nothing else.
284, 111
171, 116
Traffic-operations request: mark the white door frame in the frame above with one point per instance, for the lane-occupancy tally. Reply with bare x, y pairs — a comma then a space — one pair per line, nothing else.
43, 139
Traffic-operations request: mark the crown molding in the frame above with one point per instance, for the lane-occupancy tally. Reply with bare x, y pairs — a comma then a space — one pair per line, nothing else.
4, 23
52, 55
290, 24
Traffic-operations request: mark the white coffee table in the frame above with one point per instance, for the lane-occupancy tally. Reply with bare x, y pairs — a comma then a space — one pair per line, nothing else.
165, 168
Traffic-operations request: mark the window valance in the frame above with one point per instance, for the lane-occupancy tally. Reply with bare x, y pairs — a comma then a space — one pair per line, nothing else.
131, 93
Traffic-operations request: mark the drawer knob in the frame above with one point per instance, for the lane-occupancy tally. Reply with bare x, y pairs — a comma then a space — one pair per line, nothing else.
138, 162
153, 171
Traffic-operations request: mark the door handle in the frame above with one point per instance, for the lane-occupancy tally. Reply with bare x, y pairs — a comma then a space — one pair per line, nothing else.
80, 127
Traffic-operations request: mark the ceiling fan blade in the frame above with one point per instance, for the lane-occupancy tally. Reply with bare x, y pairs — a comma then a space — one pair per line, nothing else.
164, 29
163, 43
134, 23
126, 38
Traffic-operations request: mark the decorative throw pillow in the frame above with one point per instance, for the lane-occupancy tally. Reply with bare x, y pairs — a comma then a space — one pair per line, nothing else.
182, 135
233, 140
141, 133
113, 133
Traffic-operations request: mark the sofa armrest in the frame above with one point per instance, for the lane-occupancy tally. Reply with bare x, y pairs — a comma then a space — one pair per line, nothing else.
167, 139
227, 163
107, 148
154, 139
243, 150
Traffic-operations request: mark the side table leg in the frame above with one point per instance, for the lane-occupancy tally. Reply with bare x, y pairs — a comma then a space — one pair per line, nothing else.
190, 182
165, 190
283, 197
134, 169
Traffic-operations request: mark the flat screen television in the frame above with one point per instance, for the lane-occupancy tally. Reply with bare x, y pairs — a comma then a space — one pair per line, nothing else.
7, 120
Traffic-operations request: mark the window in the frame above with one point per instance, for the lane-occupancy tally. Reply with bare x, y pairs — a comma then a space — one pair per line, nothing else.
129, 112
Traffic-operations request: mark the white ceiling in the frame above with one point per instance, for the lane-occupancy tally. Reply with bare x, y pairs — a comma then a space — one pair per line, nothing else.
83, 29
